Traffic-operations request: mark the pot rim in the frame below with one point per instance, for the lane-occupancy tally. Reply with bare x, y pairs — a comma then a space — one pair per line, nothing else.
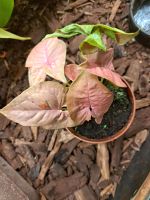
120, 132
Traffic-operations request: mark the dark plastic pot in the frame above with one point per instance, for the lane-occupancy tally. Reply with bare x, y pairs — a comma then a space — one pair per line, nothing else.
143, 37
116, 135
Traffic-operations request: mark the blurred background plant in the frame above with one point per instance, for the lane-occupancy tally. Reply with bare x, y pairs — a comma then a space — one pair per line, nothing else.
6, 9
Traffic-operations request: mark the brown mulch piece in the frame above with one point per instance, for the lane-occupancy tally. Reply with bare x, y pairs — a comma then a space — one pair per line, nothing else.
134, 72
61, 188
85, 193
141, 103
141, 122
116, 154
63, 155
54, 162
114, 10
75, 4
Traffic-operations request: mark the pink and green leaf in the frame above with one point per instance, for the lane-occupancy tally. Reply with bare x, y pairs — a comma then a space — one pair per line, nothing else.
100, 64
88, 97
107, 74
49, 55
40, 105
100, 59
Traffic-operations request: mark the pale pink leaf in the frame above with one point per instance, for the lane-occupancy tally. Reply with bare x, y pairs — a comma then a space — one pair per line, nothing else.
100, 59
36, 75
40, 105
100, 64
107, 74
88, 97
50, 55
72, 71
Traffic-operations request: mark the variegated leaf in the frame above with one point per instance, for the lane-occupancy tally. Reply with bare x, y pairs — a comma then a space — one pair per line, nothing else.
88, 97
40, 105
49, 55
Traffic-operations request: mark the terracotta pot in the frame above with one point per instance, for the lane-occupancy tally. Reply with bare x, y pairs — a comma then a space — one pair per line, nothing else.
116, 135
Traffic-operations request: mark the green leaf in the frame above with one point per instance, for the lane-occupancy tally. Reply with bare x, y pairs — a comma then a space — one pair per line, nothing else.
8, 35
92, 32
105, 27
123, 38
93, 40
110, 34
72, 30
116, 34
60, 34
6, 8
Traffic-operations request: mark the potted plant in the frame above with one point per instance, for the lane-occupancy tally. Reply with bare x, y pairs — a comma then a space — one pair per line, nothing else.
89, 99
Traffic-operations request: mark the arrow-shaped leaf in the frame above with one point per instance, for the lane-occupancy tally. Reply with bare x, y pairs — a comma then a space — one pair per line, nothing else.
48, 57
40, 105
88, 97
100, 64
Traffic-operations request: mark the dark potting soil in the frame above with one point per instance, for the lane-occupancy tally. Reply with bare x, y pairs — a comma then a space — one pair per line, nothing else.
113, 121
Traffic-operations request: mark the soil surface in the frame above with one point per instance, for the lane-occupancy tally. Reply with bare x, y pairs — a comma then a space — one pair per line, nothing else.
57, 165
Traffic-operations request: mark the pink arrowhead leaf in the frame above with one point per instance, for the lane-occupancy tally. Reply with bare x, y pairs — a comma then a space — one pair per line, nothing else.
40, 105
88, 97
101, 59
100, 64
72, 71
49, 55
108, 74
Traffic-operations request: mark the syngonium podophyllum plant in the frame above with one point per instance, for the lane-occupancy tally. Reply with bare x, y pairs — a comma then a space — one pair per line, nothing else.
77, 93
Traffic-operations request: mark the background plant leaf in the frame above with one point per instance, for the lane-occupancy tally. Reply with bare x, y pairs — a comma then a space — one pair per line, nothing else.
49, 55
7, 35
88, 97
40, 105
6, 8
